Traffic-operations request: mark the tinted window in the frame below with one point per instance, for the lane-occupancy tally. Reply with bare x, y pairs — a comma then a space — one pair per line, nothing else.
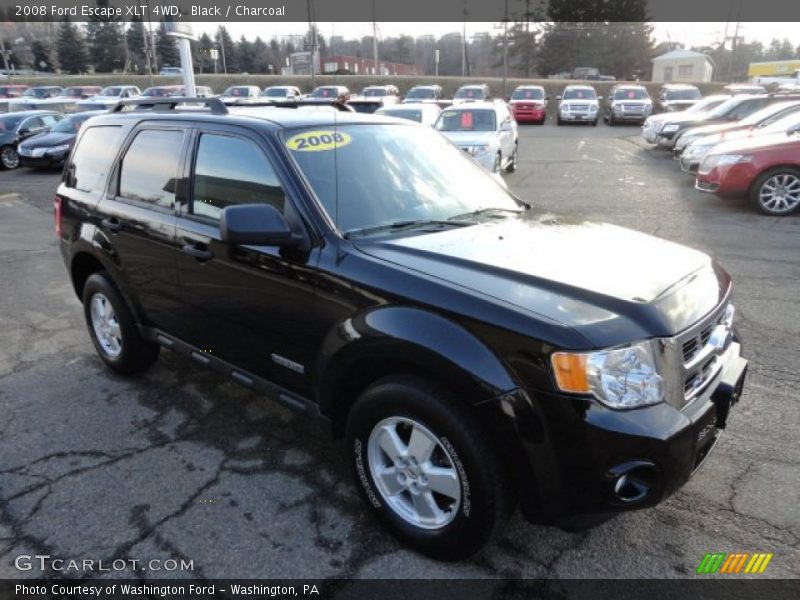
229, 171
50, 120
579, 94
32, 123
421, 93
683, 94
150, 167
92, 159
528, 94
9, 122
630, 94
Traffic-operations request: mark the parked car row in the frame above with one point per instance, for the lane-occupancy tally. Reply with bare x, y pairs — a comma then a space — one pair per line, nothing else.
742, 145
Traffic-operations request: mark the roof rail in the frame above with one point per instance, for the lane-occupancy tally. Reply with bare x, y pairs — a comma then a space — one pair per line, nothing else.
340, 106
216, 105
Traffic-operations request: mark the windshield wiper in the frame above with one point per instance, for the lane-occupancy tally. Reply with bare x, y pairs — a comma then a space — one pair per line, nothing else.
484, 211
404, 225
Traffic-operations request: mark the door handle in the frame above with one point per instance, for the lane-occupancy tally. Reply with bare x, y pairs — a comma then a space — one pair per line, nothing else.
200, 254
113, 224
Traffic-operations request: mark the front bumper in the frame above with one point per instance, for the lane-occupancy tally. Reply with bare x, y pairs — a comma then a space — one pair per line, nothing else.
581, 458
727, 180
527, 115
586, 117
42, 162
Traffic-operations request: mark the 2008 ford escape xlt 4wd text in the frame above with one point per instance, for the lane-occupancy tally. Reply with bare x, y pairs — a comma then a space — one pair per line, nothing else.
476, 353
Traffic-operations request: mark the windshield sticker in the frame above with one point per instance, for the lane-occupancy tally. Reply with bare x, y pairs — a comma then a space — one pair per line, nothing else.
466, 120
318, 141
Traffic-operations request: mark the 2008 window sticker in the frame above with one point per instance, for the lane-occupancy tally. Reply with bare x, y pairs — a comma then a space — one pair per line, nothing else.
318, 141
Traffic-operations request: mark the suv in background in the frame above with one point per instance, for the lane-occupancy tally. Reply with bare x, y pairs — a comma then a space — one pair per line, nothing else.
476, 353
329, 93
485, 130
627, 104
282, 92
674, 97
578, 103
529, 104
478, 92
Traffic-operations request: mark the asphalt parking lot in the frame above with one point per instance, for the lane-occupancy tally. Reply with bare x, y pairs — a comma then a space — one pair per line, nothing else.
180, 463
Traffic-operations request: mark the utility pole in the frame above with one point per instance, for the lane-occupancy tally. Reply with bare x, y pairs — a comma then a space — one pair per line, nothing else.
5, 58
222, 50
505, 47
464, 46
313, 31
375, 40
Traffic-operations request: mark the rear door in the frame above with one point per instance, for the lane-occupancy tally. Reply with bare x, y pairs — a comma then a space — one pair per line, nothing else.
138, 217
250, 305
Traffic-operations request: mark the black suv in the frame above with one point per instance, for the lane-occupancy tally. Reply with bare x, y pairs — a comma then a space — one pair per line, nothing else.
474, 351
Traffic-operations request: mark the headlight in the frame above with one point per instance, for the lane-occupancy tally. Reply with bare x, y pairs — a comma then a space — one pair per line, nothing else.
57, 149
685, 140
720, 160
479, 150
697, 150
670, 127
593, 108
621, 378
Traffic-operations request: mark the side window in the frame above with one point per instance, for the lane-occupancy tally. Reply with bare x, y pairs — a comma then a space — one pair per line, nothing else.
50, 120
150, 167
230, 170
92, 159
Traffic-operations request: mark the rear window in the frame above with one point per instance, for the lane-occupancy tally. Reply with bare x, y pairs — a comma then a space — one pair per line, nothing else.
690, 94
150, 167
92, 158
466, 120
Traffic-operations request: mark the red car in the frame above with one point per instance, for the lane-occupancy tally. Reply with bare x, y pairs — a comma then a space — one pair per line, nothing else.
766, 168
529, 104
12, 91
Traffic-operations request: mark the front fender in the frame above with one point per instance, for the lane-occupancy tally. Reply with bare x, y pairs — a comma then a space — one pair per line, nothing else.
408, 338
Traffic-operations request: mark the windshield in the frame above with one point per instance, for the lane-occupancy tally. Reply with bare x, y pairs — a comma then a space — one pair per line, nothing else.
111, 91
469, 93
390, 173
9, 122
154, 91
528, 94
724, 108
374, 92
41, 92
411, 115
630, 94
421, 93
466, 120
705, 104
326, 92
74, 92
236, 92
580, 94
683, 94
276, 92
71, 124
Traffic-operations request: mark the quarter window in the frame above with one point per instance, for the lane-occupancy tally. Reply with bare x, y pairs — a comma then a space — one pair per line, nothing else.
150, 167
92, 158
230, 170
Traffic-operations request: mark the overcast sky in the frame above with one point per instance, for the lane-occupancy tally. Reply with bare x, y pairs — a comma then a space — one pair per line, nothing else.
690, 34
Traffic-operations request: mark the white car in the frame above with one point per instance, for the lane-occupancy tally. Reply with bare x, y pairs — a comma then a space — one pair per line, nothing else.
109, 96
578, 103
282, 92
653, 124
485, 130
421, 112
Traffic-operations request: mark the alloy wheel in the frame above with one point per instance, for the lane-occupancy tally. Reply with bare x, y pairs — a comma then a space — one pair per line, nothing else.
780, 194
106, 326
414, 473
9, 157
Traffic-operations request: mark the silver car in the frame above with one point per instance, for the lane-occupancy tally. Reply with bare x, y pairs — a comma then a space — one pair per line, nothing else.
485, 130
578, 103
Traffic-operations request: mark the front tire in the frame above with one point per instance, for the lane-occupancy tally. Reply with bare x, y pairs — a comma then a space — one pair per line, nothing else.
9, 157
777, 192
113, 329
512, 164
426, 468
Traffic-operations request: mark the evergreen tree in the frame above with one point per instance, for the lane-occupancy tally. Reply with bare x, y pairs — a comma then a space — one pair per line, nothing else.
42, 56
135, 40
204, 47
262, 62
72, 55
166, 49
244, 50
106, 41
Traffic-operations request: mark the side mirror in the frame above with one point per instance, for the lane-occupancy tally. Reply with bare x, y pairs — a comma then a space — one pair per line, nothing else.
25, 131
254, 224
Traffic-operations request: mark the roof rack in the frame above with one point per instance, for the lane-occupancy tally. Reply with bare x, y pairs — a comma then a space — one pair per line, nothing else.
216, 105
340, 106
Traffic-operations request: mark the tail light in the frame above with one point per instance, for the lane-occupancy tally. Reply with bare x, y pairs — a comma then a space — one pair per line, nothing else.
57, 214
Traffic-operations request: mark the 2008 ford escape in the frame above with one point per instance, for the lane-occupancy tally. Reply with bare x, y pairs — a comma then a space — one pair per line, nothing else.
475, 352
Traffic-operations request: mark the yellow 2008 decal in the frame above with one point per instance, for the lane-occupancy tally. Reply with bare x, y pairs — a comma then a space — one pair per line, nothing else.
318, 141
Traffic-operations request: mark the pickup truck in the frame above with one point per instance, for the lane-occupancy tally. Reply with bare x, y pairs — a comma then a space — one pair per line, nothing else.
779, 81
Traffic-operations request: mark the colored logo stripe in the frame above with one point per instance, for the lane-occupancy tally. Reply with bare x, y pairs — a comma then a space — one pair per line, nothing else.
734, 563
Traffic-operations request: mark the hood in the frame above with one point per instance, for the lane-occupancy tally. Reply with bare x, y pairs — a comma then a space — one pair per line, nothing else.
48, 139
580, 274
470, 138
759, 142
690, 118
715, 128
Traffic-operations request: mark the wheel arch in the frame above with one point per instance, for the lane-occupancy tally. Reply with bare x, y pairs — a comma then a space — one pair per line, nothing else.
771, 169
362, 349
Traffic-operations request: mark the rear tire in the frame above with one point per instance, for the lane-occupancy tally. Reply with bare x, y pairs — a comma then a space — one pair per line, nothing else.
512, 164
404, 433
9, 158
113, 329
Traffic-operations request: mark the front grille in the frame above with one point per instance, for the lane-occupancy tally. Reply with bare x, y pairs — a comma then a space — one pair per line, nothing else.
578, 107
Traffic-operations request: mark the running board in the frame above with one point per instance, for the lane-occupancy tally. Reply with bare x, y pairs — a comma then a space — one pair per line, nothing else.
254, 382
